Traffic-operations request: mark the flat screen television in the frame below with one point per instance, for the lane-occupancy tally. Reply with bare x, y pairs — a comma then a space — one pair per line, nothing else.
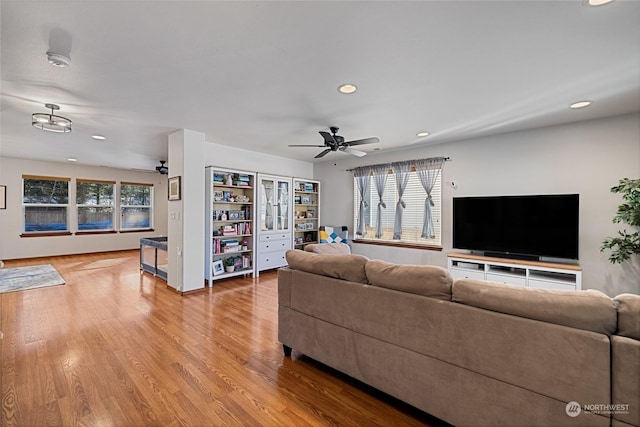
521, 227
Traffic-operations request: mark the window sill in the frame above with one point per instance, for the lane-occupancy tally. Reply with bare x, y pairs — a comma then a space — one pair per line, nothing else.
79, 233
142, 230
399, 245
46, 234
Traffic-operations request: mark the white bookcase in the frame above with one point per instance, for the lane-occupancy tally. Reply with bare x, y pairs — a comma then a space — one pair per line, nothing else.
306, 202
229, 223
531, 274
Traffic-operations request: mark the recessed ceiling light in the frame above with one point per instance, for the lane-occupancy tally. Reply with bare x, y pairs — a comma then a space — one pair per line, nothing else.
597, 2
421, 134
72, 159
580, 104
347, 88
99, 137
58, 60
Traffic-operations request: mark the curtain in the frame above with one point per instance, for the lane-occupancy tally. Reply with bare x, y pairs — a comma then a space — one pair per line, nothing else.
428, 170
380, 173
401, 171
362, 175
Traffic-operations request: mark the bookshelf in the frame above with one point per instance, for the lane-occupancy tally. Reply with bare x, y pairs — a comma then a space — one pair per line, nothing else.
230, 223
306, 212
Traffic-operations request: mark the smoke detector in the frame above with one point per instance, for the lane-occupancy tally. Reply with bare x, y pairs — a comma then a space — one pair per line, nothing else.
58, 60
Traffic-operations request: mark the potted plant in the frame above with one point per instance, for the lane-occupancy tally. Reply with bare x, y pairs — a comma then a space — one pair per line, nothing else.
229, 264
626, 244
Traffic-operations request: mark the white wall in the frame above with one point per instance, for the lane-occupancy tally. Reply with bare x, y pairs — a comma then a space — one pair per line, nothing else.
586, 158
12, 246
237, 158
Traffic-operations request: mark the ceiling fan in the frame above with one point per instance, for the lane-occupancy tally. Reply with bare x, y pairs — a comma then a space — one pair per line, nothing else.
333, 142
162, 169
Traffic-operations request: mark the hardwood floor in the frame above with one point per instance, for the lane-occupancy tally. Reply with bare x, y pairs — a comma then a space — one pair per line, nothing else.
114, 347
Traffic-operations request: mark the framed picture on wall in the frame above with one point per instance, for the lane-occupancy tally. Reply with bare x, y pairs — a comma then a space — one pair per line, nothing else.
174, 188
3, 197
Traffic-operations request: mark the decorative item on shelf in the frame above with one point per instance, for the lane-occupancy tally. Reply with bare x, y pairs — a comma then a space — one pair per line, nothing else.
244, 245
241, 198
217, 267
229, 264
228, 180
174, 188
218, 196
226, 195
296, 200
305, 200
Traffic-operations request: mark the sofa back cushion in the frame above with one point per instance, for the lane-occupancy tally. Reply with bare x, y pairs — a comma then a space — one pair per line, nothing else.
628, 315
427, 280
328, 248
346, 267
589, 310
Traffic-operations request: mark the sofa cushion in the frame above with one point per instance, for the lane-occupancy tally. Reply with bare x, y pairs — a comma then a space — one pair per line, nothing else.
628, 315
346, 267
427, 280
328, 248
589, 310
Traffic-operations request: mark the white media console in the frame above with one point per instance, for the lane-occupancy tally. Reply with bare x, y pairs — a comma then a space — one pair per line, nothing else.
530, 274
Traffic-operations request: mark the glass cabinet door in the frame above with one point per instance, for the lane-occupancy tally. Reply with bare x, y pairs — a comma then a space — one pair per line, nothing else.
283, 206
266, 204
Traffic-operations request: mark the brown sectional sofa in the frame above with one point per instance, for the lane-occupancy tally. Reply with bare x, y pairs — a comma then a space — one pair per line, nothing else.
469, 352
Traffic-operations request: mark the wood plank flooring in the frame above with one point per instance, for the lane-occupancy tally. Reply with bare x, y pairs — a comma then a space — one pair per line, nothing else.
114, 347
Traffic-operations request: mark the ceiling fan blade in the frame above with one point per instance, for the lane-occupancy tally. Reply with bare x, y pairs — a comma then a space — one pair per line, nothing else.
323, 153
328, 138
305, 145
364, 141
353, 152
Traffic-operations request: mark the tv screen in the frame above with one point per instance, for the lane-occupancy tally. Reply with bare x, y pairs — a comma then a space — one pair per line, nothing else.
518, 226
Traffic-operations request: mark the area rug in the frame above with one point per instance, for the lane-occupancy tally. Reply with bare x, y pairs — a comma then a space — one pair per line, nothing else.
22, 278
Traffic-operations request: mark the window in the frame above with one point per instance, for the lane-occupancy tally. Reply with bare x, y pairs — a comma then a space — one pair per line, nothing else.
413, 213
45, 202
136, 201
95, 202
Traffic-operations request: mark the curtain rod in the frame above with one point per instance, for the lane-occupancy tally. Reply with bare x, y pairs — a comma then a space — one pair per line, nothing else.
446, 159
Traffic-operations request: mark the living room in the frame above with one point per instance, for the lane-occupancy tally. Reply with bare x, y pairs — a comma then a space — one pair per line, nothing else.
517, 137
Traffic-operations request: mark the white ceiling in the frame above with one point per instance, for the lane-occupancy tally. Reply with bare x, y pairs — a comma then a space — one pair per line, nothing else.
262, 75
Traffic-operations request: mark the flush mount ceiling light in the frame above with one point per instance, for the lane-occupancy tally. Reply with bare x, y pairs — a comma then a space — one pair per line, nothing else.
421, 134
99, 137
347, 88
51, 122
58, 60
596, 2
580, 104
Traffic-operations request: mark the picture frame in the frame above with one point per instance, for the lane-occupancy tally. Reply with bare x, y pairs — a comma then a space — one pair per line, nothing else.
3, 197
218, 196
174, 188
218, 268
305, 200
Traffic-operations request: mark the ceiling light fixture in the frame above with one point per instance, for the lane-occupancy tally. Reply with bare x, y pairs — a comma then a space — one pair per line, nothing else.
99, 137
72, 159
58, 60
580, 104
51, 122
597, 2
421, 134
347, 88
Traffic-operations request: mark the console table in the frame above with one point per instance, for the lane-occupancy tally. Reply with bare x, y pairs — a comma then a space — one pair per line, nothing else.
530, 274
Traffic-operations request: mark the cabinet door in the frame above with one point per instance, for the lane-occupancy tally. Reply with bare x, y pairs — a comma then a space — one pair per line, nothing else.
282, 208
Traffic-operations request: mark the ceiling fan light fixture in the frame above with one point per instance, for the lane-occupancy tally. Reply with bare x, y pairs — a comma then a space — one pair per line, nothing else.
58, 60
51, 122
347, 88
580, 104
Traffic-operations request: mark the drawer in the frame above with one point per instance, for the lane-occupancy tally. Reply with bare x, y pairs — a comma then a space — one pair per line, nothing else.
276, 245
544, 284
271, 260
507, 280
275, 236
463, 273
